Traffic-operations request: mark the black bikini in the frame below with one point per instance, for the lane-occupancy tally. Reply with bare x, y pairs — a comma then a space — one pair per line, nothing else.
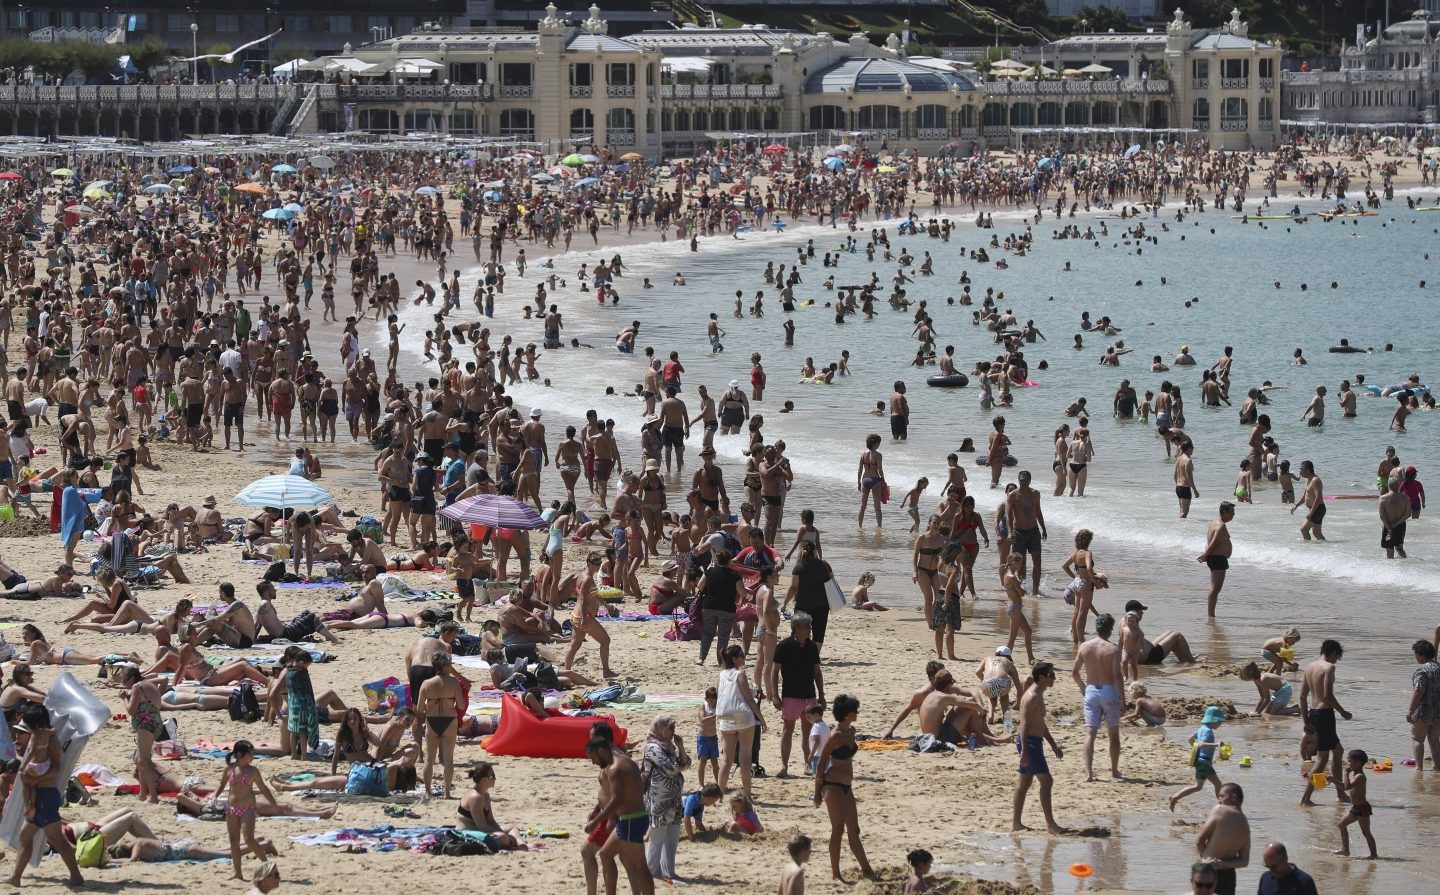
841, 753
441, 724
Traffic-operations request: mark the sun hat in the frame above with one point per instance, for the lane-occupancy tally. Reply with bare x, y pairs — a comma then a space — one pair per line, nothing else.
1002, 651
1213, 715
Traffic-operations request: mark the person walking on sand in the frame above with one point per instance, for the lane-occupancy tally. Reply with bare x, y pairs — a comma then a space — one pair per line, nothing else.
1224, 841
622, 806
1100, 689
1033, 735
1319, 706
1313, 500
1027, 523
1216, 556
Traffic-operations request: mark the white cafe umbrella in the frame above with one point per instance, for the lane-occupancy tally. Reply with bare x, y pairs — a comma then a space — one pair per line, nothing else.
283, 492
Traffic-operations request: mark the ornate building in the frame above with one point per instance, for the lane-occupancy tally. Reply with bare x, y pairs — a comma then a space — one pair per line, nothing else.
1392, 78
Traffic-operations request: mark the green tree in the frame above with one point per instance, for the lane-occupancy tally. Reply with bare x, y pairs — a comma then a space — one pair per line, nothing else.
95, 60
1099, 19
216, 49
147, 54
19, 53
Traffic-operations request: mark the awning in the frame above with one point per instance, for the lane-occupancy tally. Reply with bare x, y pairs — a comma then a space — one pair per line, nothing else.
290, 68
686, 65
420, 67
333, 64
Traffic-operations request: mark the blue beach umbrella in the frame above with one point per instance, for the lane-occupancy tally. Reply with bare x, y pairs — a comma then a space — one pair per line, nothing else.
833, 163
278, 214
295, 208
427, 191
181, 169
284, 169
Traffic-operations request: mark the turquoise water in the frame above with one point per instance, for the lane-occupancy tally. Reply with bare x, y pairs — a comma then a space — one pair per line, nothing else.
1276, 579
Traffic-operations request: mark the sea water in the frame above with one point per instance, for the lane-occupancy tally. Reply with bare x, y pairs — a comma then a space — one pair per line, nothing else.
1227, 270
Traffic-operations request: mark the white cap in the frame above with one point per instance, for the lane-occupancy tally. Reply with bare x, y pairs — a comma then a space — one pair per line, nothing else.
366, 352
734, 383
1002, 651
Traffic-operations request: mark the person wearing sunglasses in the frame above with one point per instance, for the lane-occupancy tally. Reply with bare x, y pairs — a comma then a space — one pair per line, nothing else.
1202, 879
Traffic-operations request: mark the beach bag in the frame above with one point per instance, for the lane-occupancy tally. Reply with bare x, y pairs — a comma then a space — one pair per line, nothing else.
687, 628
834, 595
243, 705
547, 676
90, 849
604, 695
275, 572
367, 778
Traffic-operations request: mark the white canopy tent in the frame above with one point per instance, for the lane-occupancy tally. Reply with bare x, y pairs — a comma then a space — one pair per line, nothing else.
291, 68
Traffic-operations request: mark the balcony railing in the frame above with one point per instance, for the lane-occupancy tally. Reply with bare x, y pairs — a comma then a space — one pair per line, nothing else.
619, 137
516, 91
620, 90
1234, 83
1234, 124
932, 133
1267, 84
720, 91
1199, 83
1075, 87
581, 92
1200, 124
204, 93
405, 92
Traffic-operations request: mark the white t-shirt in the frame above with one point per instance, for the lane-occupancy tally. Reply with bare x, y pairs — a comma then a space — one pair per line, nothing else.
231, 360
819, 736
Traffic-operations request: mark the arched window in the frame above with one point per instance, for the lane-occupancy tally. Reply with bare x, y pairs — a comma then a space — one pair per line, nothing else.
878, 118
517, 123
931, 117
582, 121
620, 119
827, 118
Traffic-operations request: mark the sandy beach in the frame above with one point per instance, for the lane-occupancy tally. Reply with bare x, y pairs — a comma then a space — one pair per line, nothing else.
957, 805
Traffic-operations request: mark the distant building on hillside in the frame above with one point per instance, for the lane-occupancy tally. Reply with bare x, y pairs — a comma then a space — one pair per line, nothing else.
1135, 9
1390, 79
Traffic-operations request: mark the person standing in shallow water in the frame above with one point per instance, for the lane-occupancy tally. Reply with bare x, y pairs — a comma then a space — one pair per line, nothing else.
1313, 500
870, 478
1217, 553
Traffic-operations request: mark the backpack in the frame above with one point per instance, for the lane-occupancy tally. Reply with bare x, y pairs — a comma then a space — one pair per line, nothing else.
455, 844
243, 705
275, 571
90, 849
732, 544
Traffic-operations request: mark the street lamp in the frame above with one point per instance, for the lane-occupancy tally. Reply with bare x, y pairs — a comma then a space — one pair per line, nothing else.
194, 51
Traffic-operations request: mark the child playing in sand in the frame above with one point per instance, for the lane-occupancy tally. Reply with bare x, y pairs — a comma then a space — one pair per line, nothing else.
1280, 651
920, 861
860, 596
695, 804
743, 819
1275, 691
792, 878
1204, 745
1242, 483
1147, 708
911, 503
1355, 784
707, 741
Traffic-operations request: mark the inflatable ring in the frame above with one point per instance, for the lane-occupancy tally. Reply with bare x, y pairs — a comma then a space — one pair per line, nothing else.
954, 380
610, 593
984, 460
1081, 870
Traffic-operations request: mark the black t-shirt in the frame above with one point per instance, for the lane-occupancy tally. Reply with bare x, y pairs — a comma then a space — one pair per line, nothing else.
812, 576
720, 589
797, 662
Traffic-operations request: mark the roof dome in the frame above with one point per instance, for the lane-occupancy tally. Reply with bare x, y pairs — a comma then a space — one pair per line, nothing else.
1419, 27
884, 76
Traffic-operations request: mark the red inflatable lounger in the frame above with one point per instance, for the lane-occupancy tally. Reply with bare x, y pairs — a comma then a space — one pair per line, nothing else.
562, 736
